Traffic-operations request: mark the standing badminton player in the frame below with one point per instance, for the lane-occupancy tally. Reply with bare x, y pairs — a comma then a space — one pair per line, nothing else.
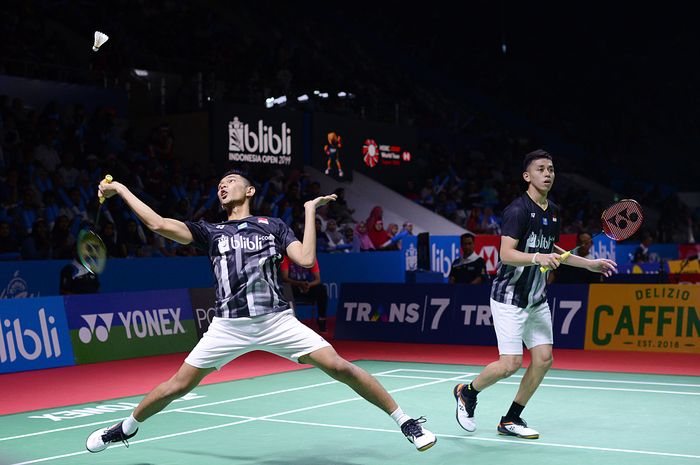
518, 300
252, 313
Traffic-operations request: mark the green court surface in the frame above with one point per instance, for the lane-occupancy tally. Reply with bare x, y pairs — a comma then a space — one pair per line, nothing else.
304, 417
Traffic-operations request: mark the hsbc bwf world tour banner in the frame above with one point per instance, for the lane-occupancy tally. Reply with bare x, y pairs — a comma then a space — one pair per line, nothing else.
256, 136
385, 152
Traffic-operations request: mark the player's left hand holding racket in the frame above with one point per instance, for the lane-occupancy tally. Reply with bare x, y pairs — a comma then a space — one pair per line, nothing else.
92, 251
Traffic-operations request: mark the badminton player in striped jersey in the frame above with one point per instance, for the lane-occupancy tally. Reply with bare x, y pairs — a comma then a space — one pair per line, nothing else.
519, 306
252, 313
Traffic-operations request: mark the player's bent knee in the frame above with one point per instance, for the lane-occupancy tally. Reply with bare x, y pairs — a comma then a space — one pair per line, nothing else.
544, 362
340, 369
510, 366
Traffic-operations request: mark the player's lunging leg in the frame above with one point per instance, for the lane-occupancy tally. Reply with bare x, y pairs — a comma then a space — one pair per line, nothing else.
328, 360
186, 379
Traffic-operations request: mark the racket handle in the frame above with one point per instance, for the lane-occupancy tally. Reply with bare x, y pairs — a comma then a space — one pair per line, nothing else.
108, 179
563, 258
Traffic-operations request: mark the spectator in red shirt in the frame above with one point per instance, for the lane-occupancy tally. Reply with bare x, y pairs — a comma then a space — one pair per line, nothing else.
307, 287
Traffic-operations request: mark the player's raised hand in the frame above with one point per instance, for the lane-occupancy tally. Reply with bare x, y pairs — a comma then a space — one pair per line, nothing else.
319, 201
603, 266
107, 188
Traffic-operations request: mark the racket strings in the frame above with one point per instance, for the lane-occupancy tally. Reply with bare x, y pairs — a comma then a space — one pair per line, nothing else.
92, 251
622, 220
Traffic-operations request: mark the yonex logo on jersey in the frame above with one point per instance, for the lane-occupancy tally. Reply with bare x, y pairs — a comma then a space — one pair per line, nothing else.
220, 226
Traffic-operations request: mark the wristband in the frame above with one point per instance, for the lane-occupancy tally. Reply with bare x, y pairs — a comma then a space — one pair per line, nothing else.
534, 258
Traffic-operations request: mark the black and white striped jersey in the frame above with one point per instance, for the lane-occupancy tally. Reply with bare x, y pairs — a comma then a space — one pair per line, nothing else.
245, 256
536, 230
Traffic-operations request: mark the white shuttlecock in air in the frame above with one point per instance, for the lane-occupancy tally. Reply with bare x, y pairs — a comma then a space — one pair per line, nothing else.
100, 39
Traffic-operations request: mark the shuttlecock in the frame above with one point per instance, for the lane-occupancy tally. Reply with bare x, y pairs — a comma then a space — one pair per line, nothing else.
100, 39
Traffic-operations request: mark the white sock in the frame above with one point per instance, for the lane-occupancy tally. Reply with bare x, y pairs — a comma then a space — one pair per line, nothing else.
399, 417
130, 425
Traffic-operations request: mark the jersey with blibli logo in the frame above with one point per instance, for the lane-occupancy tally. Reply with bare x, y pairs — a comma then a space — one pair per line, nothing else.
536, 230
245, 256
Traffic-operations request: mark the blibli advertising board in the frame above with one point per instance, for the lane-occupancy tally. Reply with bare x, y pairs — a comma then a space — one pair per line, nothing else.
256, 136
125, 325
34, 334
644, 317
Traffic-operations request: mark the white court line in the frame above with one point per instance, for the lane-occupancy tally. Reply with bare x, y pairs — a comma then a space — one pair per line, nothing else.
565, 386
185, 410
452, 436
271, 418
559, 378
237, 399
114, 420
115, 446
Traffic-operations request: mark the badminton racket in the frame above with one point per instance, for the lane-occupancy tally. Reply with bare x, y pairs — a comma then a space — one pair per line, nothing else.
92, 251
619, 222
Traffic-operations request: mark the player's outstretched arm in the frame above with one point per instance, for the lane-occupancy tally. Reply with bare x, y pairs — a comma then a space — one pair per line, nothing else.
601, 265
167, 227
304, 253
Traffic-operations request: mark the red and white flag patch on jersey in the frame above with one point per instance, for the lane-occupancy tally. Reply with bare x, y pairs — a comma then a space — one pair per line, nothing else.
263, 221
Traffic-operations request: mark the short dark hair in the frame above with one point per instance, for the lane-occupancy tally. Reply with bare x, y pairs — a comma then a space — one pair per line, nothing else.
535, 155
466, 236
240, 172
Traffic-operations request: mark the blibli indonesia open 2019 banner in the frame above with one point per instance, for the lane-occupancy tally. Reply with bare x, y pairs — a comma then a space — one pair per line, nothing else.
445, 314
135, 324
256, 136
382, 151
644, 317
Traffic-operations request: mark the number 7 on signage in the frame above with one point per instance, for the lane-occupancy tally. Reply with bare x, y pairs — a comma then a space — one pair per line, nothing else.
442, 306
573, 306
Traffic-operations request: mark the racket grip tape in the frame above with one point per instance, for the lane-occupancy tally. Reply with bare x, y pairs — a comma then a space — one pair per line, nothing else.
108, 179
563, 258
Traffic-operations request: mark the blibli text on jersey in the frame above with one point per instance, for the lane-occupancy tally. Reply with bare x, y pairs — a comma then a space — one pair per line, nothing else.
253, 242
539, 242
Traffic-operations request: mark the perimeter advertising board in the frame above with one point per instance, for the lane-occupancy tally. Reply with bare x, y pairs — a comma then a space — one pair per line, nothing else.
445, 314
126, 325
644, 317
33, 334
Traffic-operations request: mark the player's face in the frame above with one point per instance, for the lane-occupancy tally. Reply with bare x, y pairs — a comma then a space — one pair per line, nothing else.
540, 174
233, 189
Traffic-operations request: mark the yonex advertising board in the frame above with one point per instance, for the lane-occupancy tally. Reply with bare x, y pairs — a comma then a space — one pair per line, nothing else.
644, 317
445, 314
34, 334
125, 325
